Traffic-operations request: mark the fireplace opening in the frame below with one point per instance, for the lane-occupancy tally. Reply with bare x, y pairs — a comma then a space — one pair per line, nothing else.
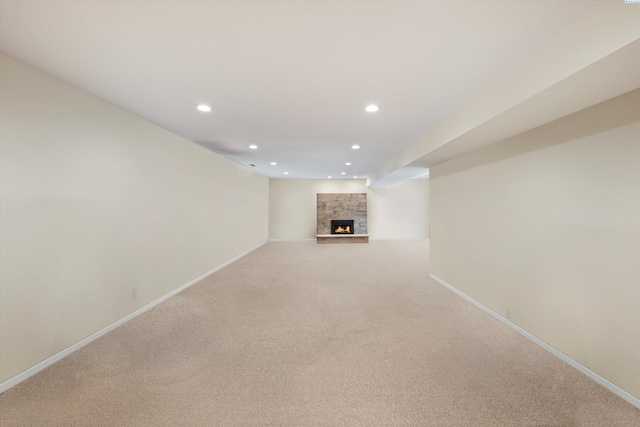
342, 226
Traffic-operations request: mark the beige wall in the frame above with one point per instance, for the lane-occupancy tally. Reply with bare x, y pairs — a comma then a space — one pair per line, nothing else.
397, 212
400, 211
547, 224
96, 202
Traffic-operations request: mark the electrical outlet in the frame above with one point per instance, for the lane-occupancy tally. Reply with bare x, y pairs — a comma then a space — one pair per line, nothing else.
507, 313
134, 293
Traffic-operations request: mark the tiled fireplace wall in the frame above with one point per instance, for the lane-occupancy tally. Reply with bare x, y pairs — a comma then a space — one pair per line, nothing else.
342, 206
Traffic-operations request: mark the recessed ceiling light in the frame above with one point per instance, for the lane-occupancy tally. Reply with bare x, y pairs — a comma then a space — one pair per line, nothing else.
204, 108
347, 164
273, 163
253, 147
286, 173
355, 147
329, 177
354, 176
343, 173
372, 108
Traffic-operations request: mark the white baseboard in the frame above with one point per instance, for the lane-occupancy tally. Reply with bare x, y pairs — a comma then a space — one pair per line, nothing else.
67, 351
588, 372
399, 239
292, 240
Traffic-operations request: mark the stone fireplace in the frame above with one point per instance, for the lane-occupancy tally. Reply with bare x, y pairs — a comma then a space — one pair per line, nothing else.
342, 218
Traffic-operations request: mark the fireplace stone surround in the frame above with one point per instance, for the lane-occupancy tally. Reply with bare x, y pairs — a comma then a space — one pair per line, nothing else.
342, 206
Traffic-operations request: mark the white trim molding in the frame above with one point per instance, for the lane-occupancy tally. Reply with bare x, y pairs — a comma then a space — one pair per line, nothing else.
580, 367
292, 240
67, 351
398, 239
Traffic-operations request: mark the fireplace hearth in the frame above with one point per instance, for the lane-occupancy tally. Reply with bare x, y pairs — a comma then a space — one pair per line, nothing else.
342, 226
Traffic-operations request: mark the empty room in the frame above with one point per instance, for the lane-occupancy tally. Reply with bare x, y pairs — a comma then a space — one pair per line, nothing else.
320, 213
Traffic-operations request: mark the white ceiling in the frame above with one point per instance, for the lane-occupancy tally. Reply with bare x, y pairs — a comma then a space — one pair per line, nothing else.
292, 77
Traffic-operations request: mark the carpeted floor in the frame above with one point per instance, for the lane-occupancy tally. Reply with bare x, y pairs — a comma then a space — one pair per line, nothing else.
300, 334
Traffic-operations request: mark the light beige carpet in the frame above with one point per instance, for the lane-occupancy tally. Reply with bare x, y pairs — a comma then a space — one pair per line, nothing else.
299, 334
